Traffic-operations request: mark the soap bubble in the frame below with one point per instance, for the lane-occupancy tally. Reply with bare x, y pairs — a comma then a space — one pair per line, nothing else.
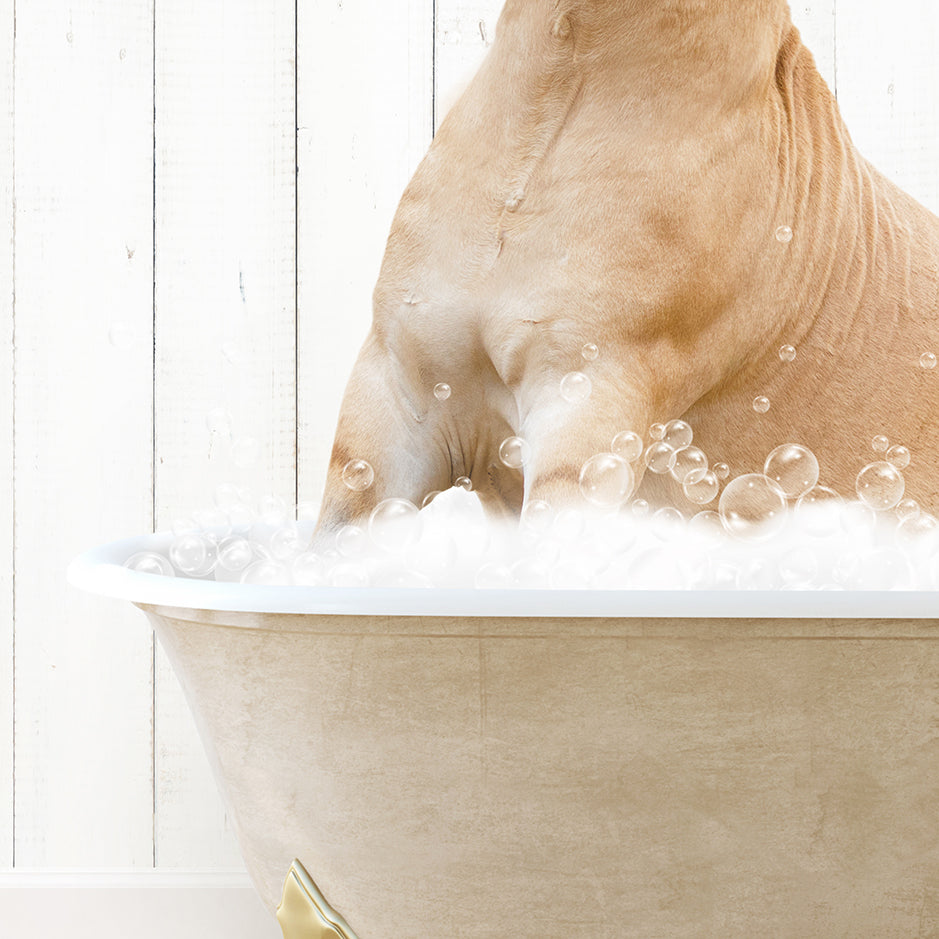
753, 507
214, 523
606, 480
348, 575
759, 574
568, 524
701, 486
707, 528
659, 457
784, 234
761, 404
494, 576
721, 470
927, 360
245, 452
880, 443
272, 510
880, 486
907, 508
464, 482
794, 468
351, 541
818, 511
358, 475
656, 569
678, 435
529, 574
787, 353
688, 460
192, 554
537, 516
442, 391
515, 452
150, 562
576, 387
218, 421
589, 351
235, 554
286, 542
628, 445
426, 501
265, 572
668, 523
915, 529
307, 511
394, 524
858, 519
308, 569
639, 508
656, 431
799, 566
899, 457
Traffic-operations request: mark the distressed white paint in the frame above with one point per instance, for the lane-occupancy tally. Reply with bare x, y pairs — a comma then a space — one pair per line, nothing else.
83, 453
225, 281
888, 90
225, 314
364, 114
6, 434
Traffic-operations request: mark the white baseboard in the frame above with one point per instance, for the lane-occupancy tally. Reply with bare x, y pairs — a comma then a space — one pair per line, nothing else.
142, 904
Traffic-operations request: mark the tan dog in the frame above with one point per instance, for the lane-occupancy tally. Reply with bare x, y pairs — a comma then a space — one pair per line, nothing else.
617, 173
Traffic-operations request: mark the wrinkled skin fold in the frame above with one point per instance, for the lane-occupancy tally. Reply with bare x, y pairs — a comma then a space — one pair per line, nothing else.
616, 173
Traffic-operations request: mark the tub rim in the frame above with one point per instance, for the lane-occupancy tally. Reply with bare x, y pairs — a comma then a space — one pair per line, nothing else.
100, 570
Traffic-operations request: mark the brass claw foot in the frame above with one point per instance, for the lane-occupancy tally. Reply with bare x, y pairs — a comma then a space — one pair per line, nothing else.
304, 913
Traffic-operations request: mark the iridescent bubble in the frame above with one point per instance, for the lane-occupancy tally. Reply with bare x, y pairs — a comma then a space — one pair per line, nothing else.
927, 360
793, 467
235, 554
907, 508
537, 516
701, 486
784, 234
899, 457
218, 421
394, 524
787, 353
464, 482
442, 391
628, 445
761, 404
589, 351
721, 470
688, 460
656, 431
351, 541
358, 475
308, 569
659, 457
753, 507
514, 452
678, 435
818, 511
192, 554
606, 480
245, 452
150, 562
880, 444
880, 486
575, 387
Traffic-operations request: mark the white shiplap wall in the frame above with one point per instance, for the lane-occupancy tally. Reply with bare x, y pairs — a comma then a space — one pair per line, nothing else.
144, 300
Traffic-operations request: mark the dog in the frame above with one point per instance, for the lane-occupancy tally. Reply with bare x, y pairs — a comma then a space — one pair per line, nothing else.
671, 182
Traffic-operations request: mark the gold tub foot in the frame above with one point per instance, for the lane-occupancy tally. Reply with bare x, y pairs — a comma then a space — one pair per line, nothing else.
304, 913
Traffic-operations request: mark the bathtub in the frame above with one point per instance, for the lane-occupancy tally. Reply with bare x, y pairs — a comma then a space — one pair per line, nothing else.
541, 764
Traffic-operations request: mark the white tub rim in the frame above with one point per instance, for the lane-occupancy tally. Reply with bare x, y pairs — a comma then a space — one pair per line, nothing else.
100, 571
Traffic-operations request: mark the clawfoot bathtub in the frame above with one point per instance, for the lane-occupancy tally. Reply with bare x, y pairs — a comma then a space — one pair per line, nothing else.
469, 764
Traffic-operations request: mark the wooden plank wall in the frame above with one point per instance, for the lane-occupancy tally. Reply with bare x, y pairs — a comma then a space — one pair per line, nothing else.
193, 281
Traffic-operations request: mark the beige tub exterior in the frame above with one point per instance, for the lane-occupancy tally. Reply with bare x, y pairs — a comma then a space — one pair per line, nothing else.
462, 777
